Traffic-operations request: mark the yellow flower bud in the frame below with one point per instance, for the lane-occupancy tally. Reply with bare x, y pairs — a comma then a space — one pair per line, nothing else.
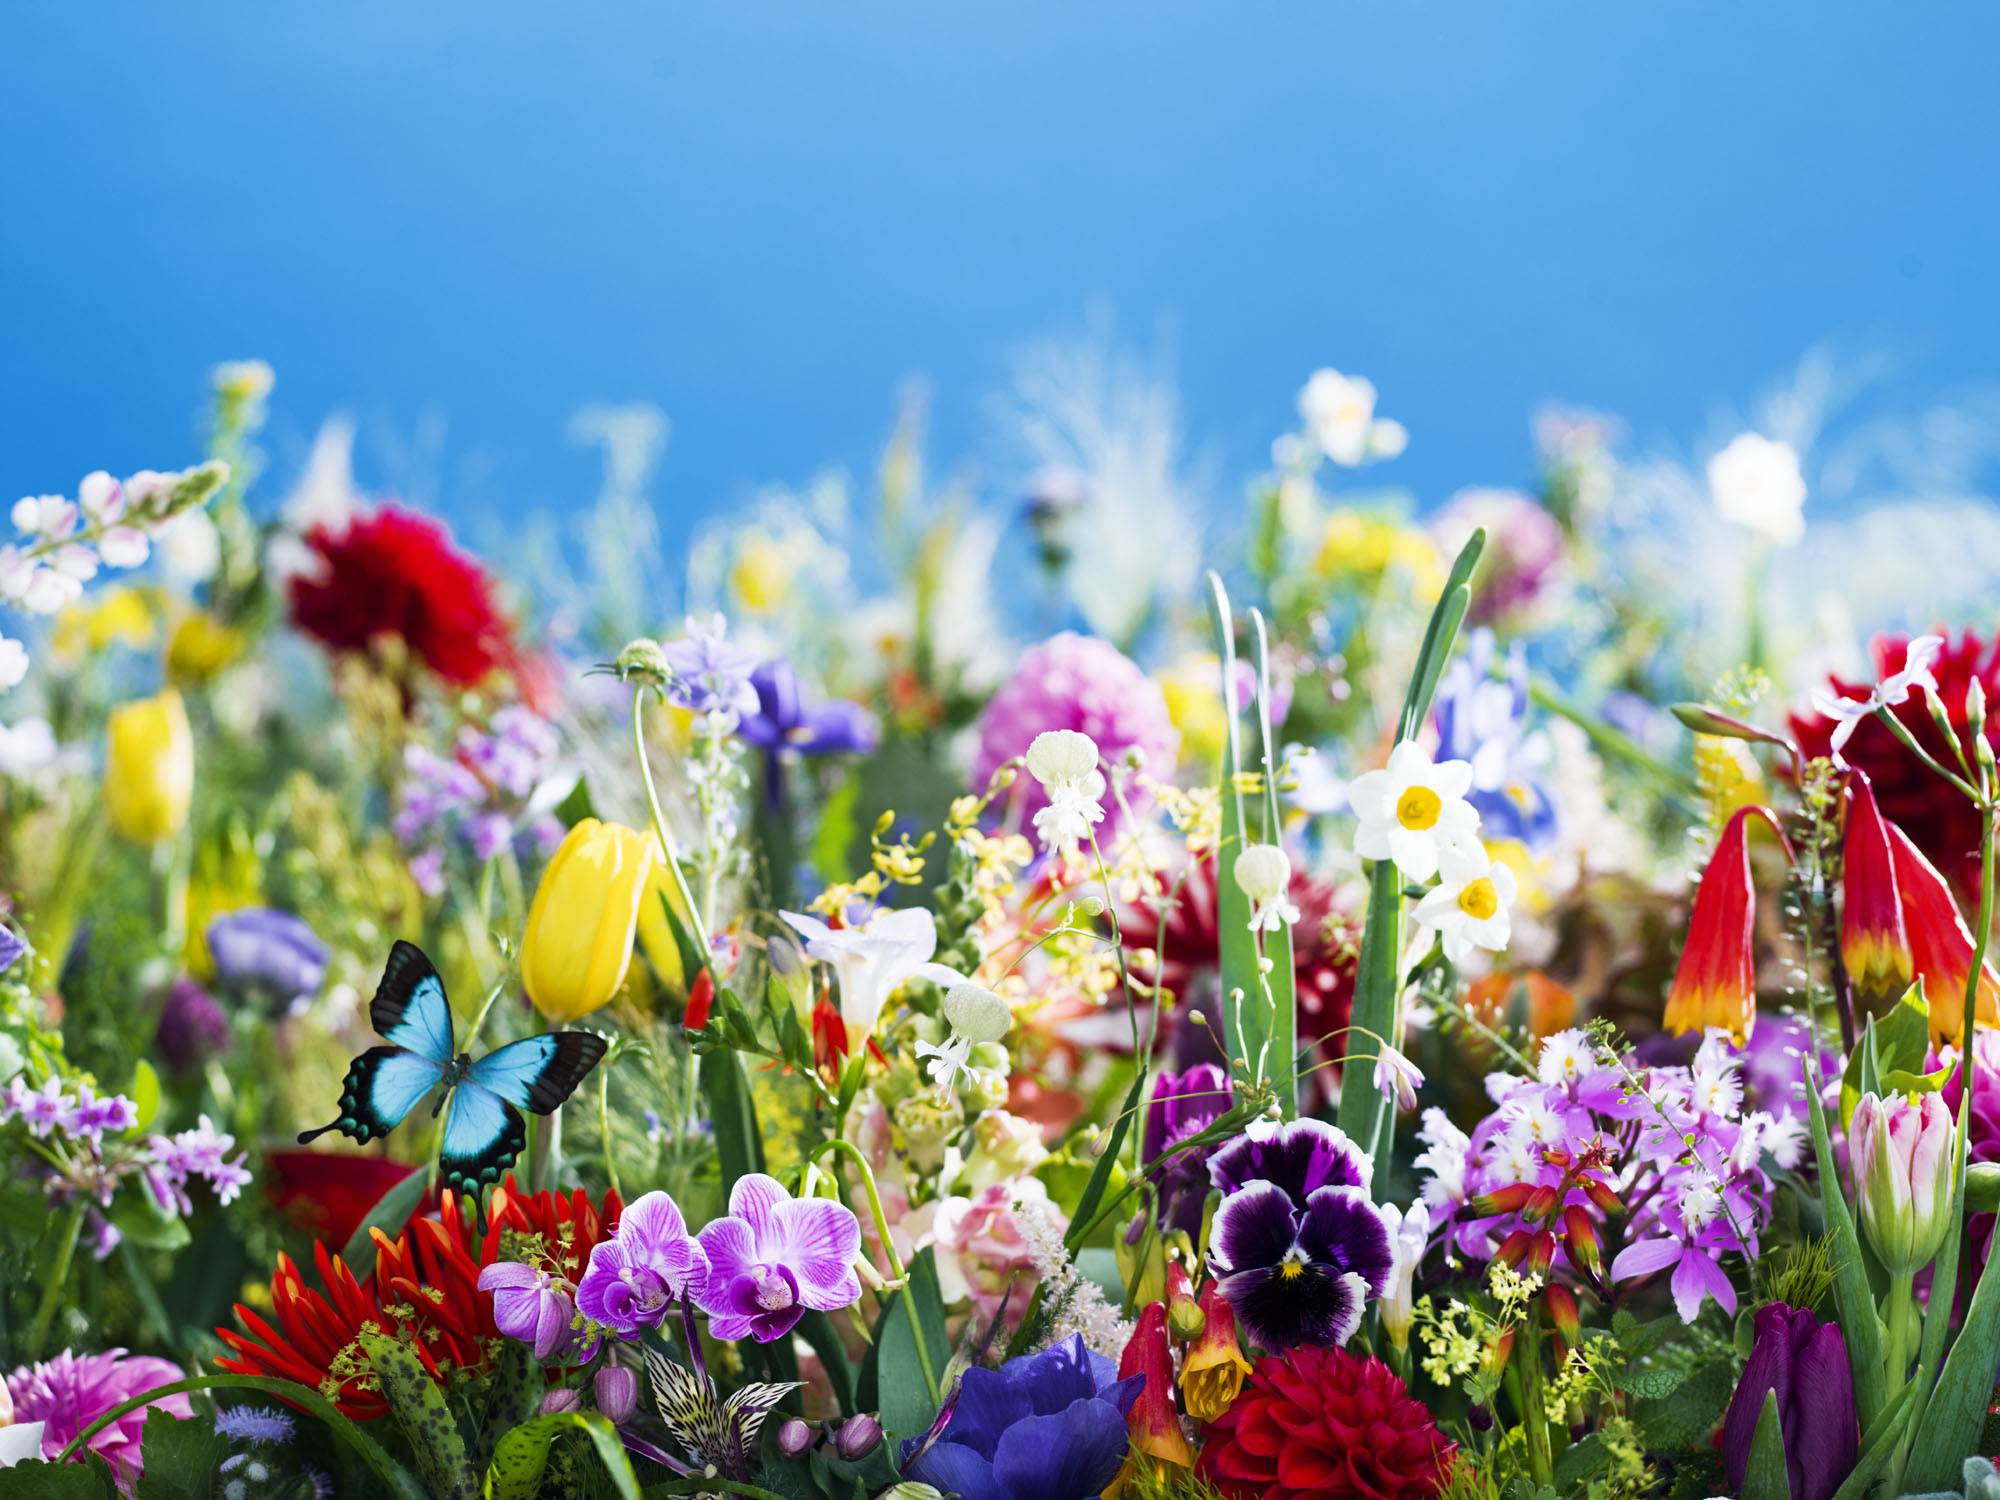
148, 768
580, 928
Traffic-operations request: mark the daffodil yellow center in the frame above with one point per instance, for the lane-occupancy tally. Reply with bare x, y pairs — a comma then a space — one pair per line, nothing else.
1479, 899
1418, 808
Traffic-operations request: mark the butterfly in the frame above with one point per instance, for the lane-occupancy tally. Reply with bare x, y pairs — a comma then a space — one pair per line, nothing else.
483, 1129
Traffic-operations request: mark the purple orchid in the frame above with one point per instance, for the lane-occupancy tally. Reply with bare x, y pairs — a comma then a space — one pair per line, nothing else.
273, 955
634, 1277
773, 1257
1300, 1158
1048, 1426
1184, 1105
535, 1307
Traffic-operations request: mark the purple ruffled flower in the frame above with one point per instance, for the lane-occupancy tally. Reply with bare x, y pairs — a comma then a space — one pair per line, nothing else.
535, 1307
1183, 1105
193, 1027
711, 674
70, 1392
1048, 1426
773, 1257
634, 1277
1301, 1158
272, 954
1299, 1275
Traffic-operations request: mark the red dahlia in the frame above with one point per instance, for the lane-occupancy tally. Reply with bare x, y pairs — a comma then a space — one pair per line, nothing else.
1323, 1424
396, 572
1942, 822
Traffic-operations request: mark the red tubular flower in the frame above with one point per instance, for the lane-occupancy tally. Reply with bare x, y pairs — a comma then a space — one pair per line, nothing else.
701, 995
1156, 1426
396, 573
1874, 945
1561, 1305
829, 1037
1323, 1424
1940, 819
1940, 942
1716, 982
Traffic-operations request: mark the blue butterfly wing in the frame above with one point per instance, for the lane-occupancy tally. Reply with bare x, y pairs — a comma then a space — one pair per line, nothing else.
410, 1009
382, 1086
483, 1134
538, 1072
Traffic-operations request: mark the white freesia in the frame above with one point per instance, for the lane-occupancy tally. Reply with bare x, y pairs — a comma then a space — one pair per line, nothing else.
1412, 809
1469, 906
874, 960
1757, 484
1888, 693
1409, 1233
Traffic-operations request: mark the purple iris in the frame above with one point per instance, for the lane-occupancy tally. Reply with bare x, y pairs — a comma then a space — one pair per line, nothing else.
269, 954
1298, 1246
1183, 1105
1805, 1362
783, 724
772, 1257
635, 1276
1048, 1426
535, 1307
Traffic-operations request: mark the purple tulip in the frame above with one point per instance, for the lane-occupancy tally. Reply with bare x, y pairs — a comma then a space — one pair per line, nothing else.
773, 1257
635, 1277
268, 953
1805, 1362
1183, 1105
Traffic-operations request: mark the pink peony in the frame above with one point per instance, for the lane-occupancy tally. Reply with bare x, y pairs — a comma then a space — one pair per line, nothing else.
980, 1246
1077, 682
70, 1392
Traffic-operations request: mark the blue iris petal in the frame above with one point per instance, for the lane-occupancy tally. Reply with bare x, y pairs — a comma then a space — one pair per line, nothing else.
951, 1469
1068, 1457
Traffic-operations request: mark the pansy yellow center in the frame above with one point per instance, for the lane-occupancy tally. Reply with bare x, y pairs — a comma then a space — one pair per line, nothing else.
1293, 1266
1418, 808
1479, 899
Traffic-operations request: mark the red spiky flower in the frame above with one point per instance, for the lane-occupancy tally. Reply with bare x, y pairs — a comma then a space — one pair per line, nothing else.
423, 1290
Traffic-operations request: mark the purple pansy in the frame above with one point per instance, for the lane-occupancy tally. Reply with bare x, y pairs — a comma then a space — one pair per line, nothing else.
535, 1307
1048, 1426
773, 1257
1301, 1158
271, 954
1183, 1105
635, 1276
1299, 1275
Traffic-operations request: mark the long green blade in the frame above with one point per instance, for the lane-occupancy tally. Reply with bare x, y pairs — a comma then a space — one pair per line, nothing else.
1860, 1328
1249, 1017
1280, 1041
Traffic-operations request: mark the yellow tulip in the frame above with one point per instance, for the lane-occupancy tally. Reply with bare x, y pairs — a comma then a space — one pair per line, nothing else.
586, 910
202, 646
656, 936
149, 768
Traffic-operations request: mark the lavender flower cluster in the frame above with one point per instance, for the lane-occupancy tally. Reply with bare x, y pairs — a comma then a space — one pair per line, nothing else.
499, 791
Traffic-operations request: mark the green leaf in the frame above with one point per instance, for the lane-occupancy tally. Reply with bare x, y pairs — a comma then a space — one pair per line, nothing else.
391, 1212
1686, 1418
35, 1479
399, 1481
1278, 1019
522, 1456
425, 1417
577, 806
513, 1396
1862, 1076
1853, 1300
1765, 1477
1581, 1460
1236, 945
733, 1114
817, 1329
182, 1456
1880, 1440
892, 1380
1654, 1382
140, 1218
145, 1096
1950, 1424
1100, 1175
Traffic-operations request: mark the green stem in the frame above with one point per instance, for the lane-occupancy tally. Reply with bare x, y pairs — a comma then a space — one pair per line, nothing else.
896, 1271
604, 1127
667, 846
1534, 1420
1897, 1316
45, 1313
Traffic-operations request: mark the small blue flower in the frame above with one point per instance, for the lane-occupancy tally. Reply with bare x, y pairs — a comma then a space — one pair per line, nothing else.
1484, 721
254, 1424
711, 674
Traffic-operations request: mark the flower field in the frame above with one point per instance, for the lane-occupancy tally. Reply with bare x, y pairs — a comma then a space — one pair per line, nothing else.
1011, 1002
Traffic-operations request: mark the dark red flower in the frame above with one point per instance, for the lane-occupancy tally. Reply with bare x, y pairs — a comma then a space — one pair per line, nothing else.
1325, 948
1323, 1424
395, 572
327, 1194
424, 1290
1941, 820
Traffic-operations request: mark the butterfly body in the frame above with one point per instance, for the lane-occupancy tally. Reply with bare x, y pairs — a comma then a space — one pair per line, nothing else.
480, 1099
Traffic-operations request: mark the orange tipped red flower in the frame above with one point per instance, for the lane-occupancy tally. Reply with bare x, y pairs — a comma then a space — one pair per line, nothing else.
1716, 983
1561, 1306
1940, 942
1874, 944
1156, 1426
1580, 1240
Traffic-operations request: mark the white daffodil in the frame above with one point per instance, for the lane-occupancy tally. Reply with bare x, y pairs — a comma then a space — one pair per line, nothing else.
1756, 483
1469, 906
1264, 874
874, 960
1064, 761
1409, 1234
1412, 809
1339, 413
1888, 693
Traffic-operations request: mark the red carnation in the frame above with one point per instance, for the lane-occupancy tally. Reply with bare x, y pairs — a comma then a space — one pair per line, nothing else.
1940, 819
396, 572
1323, 1424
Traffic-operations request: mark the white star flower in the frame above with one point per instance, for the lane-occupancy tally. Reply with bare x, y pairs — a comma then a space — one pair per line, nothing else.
1470, 903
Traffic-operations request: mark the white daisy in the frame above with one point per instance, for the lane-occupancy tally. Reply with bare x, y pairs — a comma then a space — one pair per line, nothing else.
1470, 904
1412, 809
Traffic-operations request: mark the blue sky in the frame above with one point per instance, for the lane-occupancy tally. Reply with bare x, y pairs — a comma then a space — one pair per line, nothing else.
764, 216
